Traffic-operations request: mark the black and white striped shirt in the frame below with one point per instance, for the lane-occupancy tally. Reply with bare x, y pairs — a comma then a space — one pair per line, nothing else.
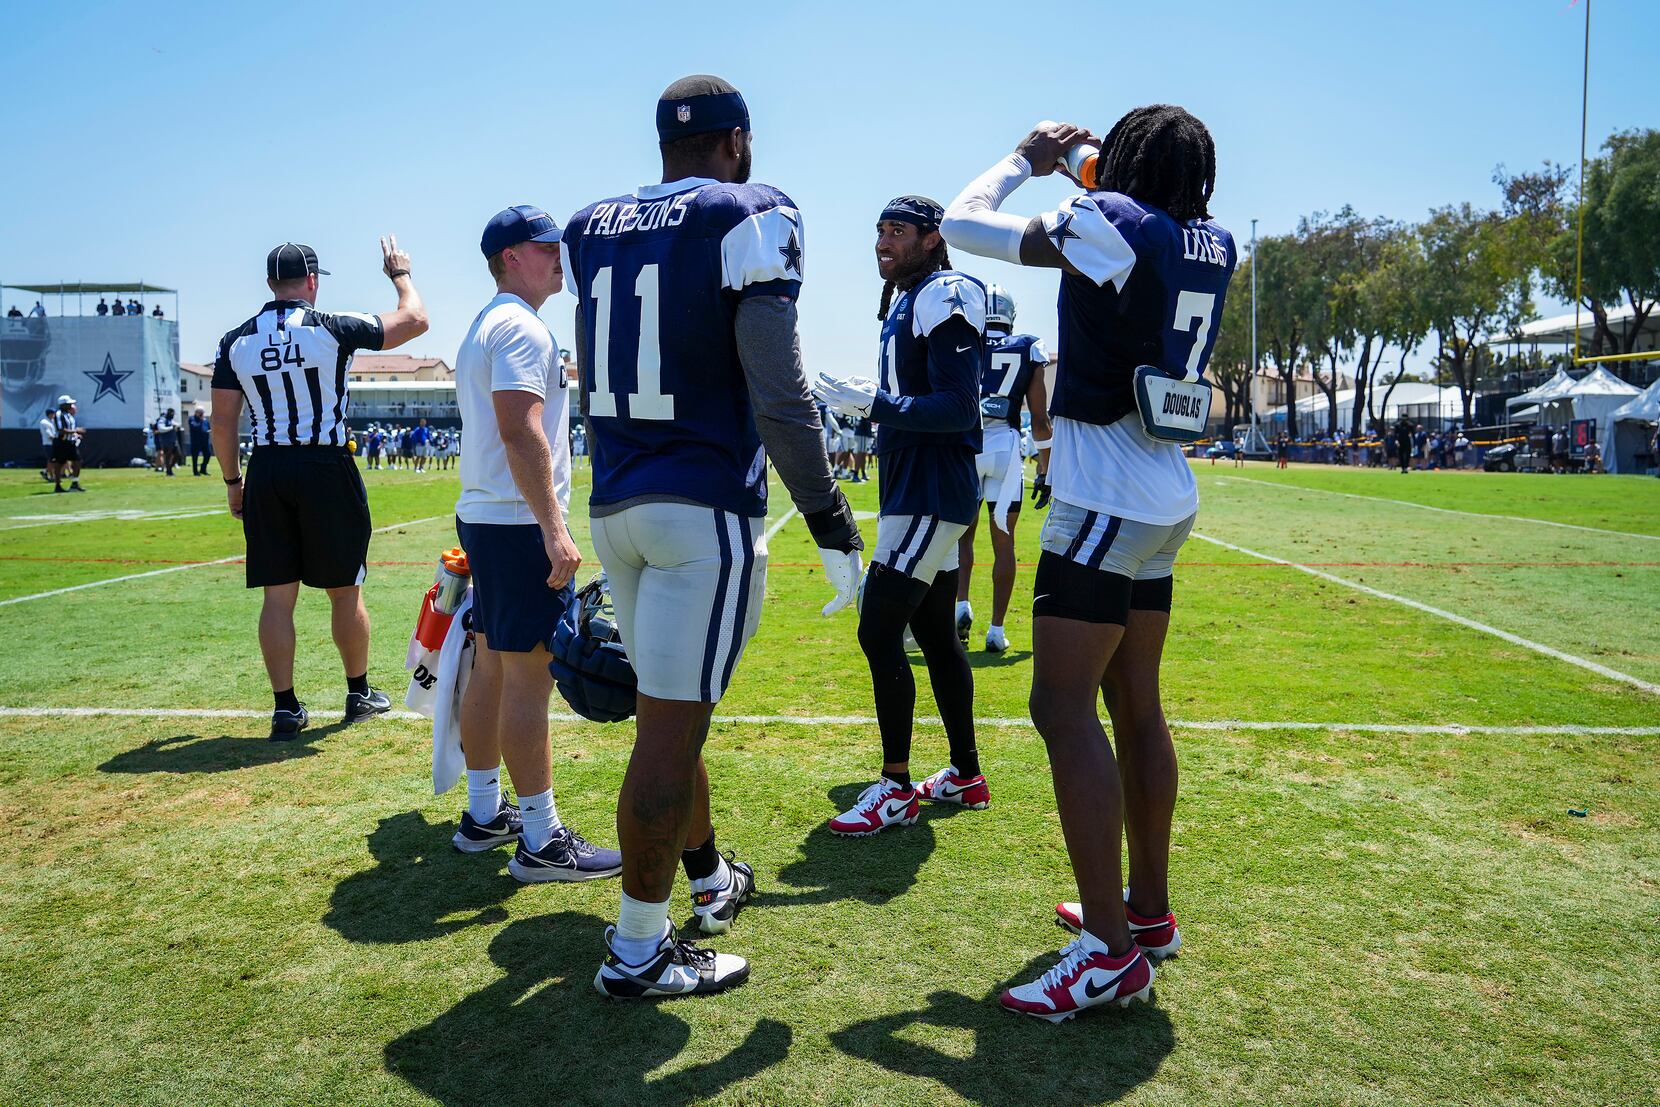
290, 362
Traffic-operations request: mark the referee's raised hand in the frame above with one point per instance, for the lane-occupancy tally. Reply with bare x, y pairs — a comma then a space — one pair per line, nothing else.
410, 319
394, 262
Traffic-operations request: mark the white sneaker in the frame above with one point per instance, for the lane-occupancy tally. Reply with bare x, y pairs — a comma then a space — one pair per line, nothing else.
997, 640
715, 908
880, 806
675, 968
965, 620
1084, 978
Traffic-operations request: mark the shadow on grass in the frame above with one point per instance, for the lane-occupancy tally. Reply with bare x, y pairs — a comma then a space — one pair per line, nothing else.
1017, 1060
192, 753
542, 1034
871, 870
420, 887
985, 659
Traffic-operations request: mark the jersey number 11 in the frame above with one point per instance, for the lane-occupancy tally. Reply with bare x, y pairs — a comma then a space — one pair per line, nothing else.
647, 401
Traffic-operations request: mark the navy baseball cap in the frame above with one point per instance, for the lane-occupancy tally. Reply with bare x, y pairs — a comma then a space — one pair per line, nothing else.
520, 223
291, 261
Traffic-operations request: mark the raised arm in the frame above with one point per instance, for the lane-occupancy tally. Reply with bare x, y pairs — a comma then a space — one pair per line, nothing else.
409, 319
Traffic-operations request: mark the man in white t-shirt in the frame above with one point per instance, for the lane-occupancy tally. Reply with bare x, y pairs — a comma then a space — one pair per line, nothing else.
515, 491
48, 432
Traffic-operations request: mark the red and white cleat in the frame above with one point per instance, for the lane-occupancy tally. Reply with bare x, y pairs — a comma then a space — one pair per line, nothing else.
880, 806
946, 786
1084, 978
1157, 937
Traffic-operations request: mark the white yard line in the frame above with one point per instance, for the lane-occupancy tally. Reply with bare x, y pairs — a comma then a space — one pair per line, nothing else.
1442, 510
870, 720
180, 568
1513, 639
32, 521
779, 525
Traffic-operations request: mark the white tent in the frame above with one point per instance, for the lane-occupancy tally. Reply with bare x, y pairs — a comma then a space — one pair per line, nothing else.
1550, 390
1596, 396
1633, 426
1417, 395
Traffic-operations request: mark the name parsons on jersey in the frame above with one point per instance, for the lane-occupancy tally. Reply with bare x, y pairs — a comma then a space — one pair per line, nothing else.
622, 217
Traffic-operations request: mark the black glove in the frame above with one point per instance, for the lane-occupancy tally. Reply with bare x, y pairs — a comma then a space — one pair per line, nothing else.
833, 528
1040, 491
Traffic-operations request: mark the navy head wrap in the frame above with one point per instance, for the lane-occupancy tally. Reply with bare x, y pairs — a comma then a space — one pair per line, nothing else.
698, 105
919, 211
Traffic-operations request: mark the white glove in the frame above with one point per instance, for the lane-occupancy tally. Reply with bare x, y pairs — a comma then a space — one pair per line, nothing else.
842, 571
853, 396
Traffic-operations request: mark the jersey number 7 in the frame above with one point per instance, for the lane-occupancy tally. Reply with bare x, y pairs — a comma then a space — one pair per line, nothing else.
647, 401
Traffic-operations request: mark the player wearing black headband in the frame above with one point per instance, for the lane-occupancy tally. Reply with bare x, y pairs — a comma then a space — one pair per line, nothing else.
1144, 271
925, 403
686, 337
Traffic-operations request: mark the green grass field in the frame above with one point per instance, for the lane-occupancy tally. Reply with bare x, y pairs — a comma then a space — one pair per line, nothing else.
1384, 897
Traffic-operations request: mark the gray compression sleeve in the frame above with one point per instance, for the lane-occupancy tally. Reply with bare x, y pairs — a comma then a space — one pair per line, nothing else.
785, 416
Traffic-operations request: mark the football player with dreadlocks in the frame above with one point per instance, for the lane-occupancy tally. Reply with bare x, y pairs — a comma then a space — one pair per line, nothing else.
926, 402
1144, 270
1013, 376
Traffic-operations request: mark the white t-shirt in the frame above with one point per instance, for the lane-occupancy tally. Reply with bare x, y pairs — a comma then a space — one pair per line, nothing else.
1120, 471
508, 349
47, 430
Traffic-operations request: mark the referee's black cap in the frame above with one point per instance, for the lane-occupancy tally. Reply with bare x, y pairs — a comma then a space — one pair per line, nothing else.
291, 261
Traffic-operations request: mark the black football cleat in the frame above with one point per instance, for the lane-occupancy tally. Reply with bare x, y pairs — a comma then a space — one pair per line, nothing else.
286, 725
361, 706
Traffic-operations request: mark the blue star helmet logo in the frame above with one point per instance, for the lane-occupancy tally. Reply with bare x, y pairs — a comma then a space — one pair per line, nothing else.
1062, 231
792, 254
109, 380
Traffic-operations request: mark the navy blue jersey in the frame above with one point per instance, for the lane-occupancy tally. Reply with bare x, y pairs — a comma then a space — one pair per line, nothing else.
1011, 362
1151, 294
927, 403
658, 277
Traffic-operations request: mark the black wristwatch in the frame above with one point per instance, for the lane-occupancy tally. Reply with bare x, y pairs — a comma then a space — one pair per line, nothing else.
234, 480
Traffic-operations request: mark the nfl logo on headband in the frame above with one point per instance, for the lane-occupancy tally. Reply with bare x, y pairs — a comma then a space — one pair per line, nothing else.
683, 113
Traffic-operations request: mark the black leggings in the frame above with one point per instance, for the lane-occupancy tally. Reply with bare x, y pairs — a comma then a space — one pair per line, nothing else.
893, 600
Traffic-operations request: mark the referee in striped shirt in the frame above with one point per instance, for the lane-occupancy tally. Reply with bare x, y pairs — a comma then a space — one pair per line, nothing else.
304, 512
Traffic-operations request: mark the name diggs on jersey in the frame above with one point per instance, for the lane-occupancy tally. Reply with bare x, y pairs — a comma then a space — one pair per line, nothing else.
622, 217
1199, 244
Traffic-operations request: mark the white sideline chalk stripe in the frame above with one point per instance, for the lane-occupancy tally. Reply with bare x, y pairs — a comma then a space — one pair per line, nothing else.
1513, 639
30, 522
779, 525
1443, 510
181, 568
870, 720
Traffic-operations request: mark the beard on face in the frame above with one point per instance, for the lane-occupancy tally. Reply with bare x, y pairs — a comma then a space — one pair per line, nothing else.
744, 159
912, 263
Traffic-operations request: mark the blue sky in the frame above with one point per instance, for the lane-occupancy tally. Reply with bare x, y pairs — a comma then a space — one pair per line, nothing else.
176, 143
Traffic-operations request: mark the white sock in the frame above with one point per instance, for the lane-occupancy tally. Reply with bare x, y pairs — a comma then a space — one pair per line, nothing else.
541, 820
484, 793
962, 608
715, 880
996, 629
640, 929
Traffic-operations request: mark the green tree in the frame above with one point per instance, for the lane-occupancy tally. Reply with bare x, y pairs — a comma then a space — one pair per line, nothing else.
1393, 297
1288, 294
1230, 358
1622, 223
1479, 282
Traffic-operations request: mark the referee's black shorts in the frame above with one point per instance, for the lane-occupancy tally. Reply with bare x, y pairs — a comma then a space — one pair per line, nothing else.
306, 517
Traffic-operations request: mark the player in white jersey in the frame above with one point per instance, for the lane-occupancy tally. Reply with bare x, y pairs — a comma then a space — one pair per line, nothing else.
1144, 271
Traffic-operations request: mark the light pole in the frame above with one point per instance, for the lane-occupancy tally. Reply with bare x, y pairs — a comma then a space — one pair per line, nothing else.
1251, 378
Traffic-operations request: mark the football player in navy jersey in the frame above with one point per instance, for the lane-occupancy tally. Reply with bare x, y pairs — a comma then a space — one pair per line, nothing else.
926, 403
1144, 270
1013, 377
691, 382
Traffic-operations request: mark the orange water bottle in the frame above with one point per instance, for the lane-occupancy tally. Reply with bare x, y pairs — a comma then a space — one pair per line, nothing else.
1080, 164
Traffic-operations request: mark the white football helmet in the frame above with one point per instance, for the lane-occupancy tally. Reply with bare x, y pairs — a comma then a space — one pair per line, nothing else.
999, 306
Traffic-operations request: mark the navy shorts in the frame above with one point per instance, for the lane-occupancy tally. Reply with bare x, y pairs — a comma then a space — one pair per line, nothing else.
513, 607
